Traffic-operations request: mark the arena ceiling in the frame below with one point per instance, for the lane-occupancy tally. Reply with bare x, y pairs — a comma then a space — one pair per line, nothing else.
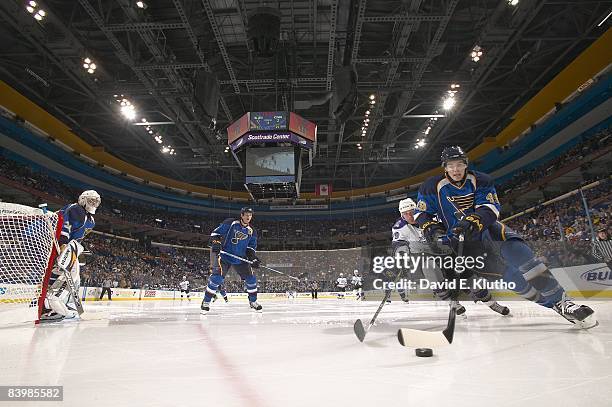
406, 53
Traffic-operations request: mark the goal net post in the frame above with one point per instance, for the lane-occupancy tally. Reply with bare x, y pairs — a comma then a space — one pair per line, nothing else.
27, 253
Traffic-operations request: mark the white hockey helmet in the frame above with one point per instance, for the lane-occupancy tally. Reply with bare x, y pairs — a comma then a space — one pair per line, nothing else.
90, 200
356, 272
406, 205
184, 277
341, 274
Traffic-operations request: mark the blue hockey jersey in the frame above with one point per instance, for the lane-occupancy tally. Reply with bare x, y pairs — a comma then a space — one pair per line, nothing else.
76, 224
439, 197
235, 239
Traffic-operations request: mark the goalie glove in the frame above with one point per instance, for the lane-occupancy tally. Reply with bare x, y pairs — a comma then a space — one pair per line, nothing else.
471, 226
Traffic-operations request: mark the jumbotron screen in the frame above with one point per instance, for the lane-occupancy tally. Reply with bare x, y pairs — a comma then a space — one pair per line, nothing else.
268, 121
261, 162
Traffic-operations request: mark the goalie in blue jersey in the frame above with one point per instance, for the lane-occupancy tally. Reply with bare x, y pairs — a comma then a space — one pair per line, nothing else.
465, 202
238, 238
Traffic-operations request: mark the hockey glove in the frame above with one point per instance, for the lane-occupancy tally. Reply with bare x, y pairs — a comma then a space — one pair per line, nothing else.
215, 246
253, 258
433, 231
471, 226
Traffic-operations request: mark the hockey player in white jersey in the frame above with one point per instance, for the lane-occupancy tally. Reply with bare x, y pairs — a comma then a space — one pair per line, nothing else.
341, 284
407, 233
184, 286
357, 284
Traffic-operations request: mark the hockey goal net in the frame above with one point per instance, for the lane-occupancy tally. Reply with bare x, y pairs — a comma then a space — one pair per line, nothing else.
27, 252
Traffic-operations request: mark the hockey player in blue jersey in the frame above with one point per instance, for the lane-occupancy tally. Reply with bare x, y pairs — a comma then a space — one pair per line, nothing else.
238, 237
465, 202
77, 222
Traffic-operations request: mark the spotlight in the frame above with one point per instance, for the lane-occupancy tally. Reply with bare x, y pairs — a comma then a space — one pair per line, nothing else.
141, 4
89, 65
448, 103
476, 53
372, 96
513, 2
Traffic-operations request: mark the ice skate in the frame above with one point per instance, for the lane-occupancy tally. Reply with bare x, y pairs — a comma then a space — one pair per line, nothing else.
204, 308
497, 307
255, 306
580, 315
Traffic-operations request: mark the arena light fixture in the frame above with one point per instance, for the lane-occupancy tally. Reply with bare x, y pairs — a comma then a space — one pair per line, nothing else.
126, 108
141, 4
448, 103
476, 53
513, 2
604, 20
33, 8
90, 66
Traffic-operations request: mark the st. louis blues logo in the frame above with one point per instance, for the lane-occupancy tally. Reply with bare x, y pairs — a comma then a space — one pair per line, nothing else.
461, 203
238, 236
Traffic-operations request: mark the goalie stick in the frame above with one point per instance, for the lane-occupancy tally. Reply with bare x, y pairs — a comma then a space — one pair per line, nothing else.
417, 338
261, 265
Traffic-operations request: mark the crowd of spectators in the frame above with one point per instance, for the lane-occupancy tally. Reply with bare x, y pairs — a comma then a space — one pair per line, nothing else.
561, 233
523, 179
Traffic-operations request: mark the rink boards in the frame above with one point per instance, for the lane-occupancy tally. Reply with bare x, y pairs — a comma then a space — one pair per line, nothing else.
588, 281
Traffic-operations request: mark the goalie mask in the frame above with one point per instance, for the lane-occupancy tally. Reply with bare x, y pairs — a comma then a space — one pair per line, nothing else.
90, 200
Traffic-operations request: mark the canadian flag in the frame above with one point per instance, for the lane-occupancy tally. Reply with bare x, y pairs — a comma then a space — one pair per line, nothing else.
323, 189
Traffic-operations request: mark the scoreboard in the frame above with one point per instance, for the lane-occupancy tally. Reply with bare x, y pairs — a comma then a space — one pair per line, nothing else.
263, 121
254, 123
271, 148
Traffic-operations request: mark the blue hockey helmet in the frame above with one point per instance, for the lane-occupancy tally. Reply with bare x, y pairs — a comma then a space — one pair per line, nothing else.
453, 153
246, 209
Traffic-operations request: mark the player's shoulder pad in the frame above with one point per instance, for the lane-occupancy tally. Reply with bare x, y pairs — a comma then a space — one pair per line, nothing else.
400, 223
430, 186
76, 209
251, 231
482, 179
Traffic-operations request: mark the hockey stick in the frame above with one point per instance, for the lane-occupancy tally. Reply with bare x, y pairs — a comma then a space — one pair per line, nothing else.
261, 265
358, 328
417, 338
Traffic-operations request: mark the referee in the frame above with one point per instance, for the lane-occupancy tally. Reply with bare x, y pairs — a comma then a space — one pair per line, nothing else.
603, 246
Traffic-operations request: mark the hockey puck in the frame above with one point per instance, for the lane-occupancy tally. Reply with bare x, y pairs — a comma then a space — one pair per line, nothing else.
423, 352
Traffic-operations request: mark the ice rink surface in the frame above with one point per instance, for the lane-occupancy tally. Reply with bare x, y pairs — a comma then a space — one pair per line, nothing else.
303, 353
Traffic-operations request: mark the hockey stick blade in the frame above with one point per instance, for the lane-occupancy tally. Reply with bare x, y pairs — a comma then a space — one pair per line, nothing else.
416, 338
359, 330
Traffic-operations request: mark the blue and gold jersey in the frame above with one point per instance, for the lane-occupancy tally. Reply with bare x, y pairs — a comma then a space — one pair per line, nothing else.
77, 223
439, 198
236, 239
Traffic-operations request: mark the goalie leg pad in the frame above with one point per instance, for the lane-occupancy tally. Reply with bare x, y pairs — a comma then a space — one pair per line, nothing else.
69, 256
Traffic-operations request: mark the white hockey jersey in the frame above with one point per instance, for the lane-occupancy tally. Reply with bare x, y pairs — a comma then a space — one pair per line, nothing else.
356, 280
341, 282
406, 232
184, 284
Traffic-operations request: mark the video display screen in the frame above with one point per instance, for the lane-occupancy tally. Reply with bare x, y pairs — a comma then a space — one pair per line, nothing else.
268, 121
270, 161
